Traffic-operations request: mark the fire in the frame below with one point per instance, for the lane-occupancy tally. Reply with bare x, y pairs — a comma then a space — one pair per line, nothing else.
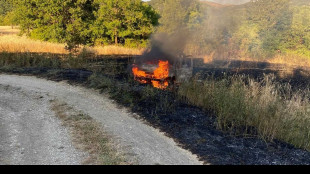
160, 85
162, 72
138, 73
158, 78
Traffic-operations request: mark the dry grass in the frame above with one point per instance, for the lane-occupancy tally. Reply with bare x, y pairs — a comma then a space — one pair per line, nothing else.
11, 42
246, 107
111, 50
89, 136
208, 58
291, 60
116, 50
288, 59
8, 30
17, 44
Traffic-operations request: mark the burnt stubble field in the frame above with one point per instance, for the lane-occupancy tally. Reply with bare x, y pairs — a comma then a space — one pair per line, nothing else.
194, 128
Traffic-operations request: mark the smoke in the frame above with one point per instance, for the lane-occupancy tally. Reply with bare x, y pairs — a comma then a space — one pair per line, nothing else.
166, 47
206, 35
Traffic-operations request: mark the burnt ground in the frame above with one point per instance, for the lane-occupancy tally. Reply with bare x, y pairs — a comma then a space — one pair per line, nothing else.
297, 77
193, 128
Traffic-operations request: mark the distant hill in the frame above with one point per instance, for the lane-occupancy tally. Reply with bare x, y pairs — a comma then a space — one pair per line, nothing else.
300, 2
232, 2
219, 3
214, 4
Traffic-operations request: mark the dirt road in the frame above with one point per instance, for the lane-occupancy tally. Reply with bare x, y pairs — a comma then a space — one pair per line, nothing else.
31, 134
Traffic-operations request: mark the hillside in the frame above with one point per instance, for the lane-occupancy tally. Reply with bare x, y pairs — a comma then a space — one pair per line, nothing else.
225, 3
232, 2
214, 4
300, 2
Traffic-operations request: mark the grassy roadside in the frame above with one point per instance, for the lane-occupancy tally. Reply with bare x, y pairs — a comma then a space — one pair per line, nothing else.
243, 106
247, 107
89, 136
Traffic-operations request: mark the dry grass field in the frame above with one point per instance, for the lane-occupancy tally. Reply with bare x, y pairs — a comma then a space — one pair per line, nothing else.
11, 42
288, 59
7, 30
241, 103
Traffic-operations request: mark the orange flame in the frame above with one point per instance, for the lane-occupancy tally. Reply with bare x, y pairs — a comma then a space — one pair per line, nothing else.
160, 85
162, 71
138, 73
160, 74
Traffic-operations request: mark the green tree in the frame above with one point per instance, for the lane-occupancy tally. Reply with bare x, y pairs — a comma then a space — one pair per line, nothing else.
263, 30
124, 21
5, 7
64, 21
178, 14
10, 19
297, 37
86, 22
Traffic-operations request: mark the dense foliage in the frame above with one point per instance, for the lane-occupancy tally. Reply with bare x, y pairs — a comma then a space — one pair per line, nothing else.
282, 27
258, 29
183, 22
128, 22
6, 7
86, 22
178, 14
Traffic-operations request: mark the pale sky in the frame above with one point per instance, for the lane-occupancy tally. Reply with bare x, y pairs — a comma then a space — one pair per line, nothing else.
225, 1
230, 1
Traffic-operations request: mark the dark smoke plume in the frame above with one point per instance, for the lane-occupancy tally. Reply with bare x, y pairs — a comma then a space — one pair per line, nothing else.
165, 47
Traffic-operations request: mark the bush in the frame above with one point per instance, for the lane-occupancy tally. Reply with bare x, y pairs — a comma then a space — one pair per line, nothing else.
133, 43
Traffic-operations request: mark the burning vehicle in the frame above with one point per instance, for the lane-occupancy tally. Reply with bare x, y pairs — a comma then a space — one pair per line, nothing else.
162, 73
164, 64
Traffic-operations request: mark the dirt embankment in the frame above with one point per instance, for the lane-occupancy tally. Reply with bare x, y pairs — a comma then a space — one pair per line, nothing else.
31, 134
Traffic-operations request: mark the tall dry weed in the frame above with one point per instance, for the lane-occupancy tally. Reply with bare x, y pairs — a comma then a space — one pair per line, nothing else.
248, 107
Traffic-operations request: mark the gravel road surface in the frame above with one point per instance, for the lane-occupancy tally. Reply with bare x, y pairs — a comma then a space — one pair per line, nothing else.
31, 134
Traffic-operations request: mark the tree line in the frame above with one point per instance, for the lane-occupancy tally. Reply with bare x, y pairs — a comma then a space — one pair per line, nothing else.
257, 29
260, 28
272, 27
101, 22
84, 22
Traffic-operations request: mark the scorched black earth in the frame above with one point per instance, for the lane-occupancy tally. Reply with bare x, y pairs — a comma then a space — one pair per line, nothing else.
195, 130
